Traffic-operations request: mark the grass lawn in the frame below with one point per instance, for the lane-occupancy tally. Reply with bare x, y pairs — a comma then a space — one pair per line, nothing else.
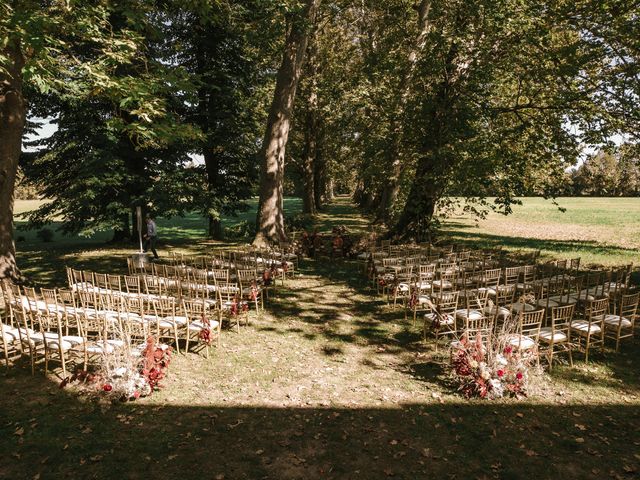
603, 231
329, 384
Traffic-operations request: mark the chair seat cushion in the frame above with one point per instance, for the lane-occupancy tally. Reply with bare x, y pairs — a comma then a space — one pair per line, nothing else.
503, 312
547, 302
523, 342
490, 291
549, 336
423, 299
563, 300
465, 313
613, 321
582, 327
403, 287
10, 334
519, 306
173, 320
199, 325
446, 319
442, 284
99, 348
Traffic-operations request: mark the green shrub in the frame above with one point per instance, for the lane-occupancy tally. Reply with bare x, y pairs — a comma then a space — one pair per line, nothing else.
45, 234
240, 230
298, 222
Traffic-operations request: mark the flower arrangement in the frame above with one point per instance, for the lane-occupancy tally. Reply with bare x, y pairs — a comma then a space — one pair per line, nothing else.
492, 367
490, 374
126, 372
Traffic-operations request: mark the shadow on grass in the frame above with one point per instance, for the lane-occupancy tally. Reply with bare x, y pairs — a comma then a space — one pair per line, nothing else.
50, 433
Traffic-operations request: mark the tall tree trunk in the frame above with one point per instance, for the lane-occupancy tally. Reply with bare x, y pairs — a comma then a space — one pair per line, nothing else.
310, 134
393, 153
212, 165
270, 220
12, 122
206, 115
319, 176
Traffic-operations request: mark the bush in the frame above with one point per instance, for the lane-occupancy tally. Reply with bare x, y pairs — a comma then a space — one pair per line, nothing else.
240, 230
298, 222
45, 235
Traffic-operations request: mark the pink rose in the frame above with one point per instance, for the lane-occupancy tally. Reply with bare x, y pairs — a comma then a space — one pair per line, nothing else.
107, 387
500, 373
519, 375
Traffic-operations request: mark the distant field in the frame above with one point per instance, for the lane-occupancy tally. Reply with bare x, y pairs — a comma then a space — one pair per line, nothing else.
599, 230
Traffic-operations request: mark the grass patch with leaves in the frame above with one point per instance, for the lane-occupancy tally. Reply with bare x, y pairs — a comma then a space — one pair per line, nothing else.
329, 383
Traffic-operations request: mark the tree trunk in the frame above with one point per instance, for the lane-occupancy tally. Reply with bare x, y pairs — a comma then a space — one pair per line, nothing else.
310, 134
393, 154
12, 122
270, 220
212, 166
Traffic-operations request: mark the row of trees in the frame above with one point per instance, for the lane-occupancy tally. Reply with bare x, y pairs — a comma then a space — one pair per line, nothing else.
403, 103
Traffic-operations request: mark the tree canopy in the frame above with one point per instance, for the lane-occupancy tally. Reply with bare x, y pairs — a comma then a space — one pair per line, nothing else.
407, 105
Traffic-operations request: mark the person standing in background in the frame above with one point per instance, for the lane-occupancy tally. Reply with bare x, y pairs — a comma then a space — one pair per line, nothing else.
151, 236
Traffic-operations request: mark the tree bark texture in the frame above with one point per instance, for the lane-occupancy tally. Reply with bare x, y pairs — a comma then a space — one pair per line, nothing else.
12, 122
270, 220
393, 153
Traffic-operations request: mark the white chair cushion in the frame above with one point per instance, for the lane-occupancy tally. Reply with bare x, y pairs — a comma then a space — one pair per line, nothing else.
446, 319
99, 348
422, 299
582, 327
614, 321
171, 320
522, 341
562, 300
490, 291
503, 312
464, 313
547, 302
403, 287
442, 283
518, 307
547, 336
10, 334
198, 325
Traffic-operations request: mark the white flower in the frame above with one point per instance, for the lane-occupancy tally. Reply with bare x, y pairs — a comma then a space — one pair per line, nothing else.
497, 389
473, 364
500, 360
485, 375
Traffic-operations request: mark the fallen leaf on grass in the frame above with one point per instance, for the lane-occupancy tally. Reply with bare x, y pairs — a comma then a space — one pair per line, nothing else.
19, 431
579, 440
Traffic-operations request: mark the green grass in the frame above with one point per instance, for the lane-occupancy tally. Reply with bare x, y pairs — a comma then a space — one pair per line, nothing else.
44, 262
329, 383
602, 231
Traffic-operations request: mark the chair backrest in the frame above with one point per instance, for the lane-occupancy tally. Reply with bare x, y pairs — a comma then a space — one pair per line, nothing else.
629, 306
511, 275
101, 280
505, 295
528, 273
114, 282
476, 299
529, 323
132, 283
595, 309
561, 316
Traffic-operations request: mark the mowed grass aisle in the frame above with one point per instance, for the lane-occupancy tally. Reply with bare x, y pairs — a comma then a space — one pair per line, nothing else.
329, 383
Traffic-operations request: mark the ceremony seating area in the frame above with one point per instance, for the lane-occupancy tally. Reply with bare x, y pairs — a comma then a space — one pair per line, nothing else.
553, 306
183, 304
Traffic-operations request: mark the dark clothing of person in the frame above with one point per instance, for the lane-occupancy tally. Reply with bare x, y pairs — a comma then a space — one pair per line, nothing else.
152, 238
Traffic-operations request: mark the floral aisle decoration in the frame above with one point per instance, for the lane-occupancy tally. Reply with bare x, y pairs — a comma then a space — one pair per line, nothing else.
494, 368
205, 333
125, 372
